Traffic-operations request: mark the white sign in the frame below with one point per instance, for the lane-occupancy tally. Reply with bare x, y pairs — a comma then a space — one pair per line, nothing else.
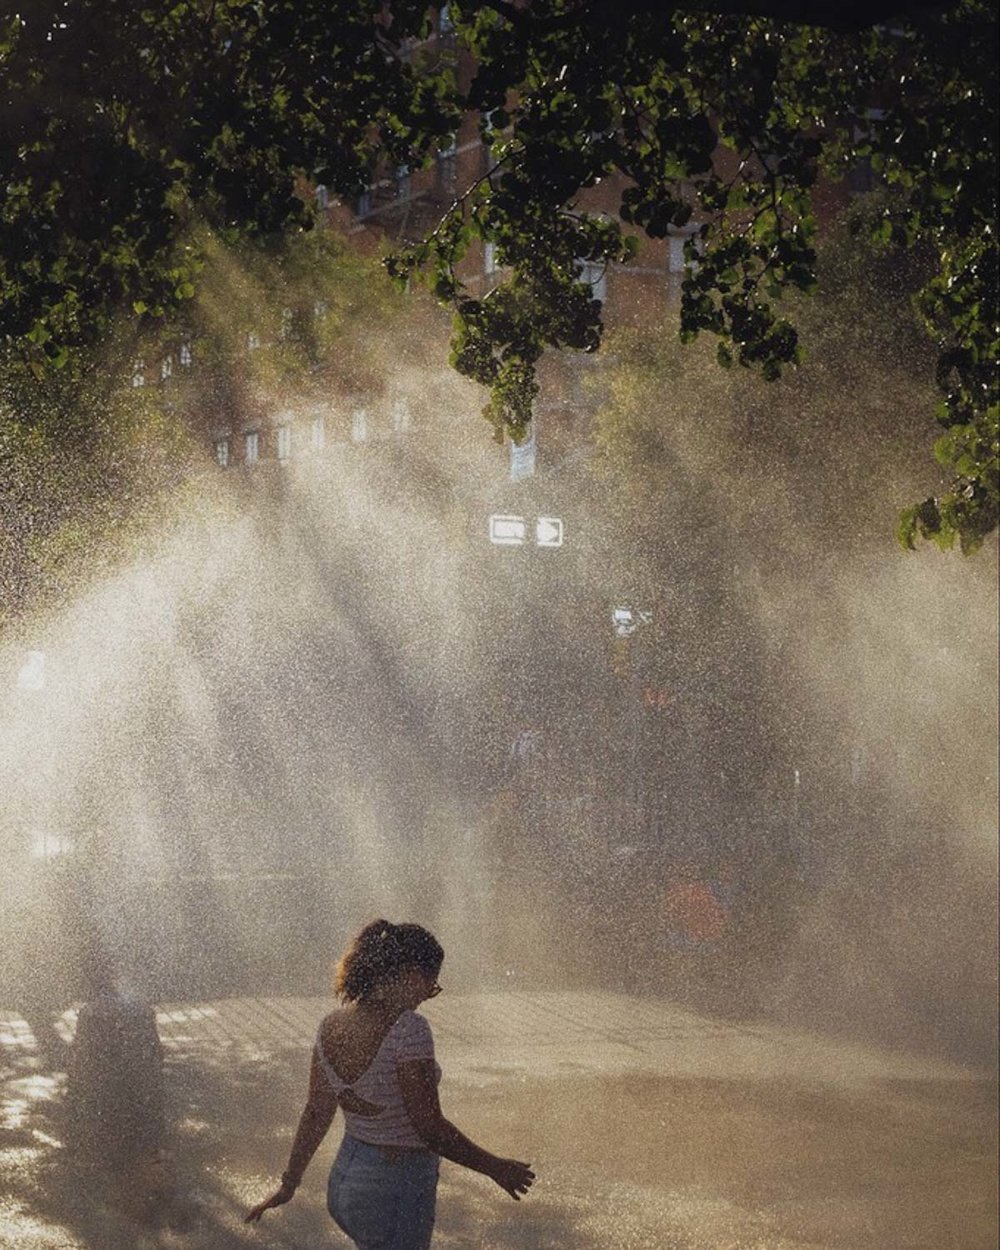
31, 674
522, 457
623, 620
627, 620
508, 531
548, 532
512, 531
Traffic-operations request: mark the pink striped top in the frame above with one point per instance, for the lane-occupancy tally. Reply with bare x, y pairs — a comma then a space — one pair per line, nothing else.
408, 1038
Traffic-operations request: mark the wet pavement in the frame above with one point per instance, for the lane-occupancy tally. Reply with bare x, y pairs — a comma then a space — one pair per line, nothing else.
651, 1126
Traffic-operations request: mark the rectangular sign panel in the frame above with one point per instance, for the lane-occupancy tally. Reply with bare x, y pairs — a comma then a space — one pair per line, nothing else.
522, 457
508, 531
548, 531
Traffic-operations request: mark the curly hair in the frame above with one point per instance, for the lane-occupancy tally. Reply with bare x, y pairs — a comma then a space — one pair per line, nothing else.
382, 951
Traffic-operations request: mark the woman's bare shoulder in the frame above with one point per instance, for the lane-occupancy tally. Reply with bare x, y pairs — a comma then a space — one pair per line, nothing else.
334, 1022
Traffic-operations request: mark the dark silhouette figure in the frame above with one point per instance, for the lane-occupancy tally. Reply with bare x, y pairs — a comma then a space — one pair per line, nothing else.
114, 1095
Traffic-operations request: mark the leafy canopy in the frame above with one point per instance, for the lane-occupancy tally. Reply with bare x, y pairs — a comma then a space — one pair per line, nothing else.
123, 126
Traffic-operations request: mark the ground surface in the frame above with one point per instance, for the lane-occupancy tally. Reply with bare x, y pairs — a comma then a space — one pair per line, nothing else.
652, 1127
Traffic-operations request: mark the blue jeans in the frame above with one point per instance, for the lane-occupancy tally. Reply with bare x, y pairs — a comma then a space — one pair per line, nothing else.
383, 1200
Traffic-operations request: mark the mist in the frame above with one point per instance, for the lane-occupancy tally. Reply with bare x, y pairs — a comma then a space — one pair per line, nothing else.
313, 692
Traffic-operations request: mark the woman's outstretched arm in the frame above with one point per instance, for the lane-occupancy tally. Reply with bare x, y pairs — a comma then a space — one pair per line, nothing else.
314, 1123
418, 1085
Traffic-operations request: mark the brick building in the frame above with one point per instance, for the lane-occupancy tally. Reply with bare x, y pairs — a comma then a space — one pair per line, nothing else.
403, 205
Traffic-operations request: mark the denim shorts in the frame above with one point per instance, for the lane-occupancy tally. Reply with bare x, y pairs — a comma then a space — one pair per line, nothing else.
383, 1199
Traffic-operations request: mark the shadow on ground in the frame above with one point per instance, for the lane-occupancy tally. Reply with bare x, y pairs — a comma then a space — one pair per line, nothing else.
232, 1126
625, 1162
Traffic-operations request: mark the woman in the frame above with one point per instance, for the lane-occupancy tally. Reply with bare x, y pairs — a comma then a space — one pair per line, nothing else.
374, 1058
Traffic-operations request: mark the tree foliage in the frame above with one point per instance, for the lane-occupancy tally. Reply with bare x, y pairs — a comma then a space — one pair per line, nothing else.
773, 470
125, 126
95, 455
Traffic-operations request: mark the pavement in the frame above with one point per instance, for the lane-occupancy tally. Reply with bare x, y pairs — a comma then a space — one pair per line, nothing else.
652, 1126
486, 1037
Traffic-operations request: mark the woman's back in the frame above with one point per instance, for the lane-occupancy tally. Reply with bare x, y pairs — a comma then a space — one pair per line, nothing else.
359, 1054
350, 1040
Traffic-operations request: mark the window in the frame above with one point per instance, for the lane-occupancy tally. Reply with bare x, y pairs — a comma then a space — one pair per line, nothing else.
253, 341
48, 845
594, 274
489, 258
185, 355
251, 447
320, 309
317, 433
677, 263
222, 452
364, 203
447, 165
400, 416
166, 367
284, 443
322, 198
139, 373
359, 425
287, 323
861, 177
402, 182
445, 24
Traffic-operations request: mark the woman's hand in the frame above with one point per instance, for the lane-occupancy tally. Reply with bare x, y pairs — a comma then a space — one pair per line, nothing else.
277, 1199
513, 1176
